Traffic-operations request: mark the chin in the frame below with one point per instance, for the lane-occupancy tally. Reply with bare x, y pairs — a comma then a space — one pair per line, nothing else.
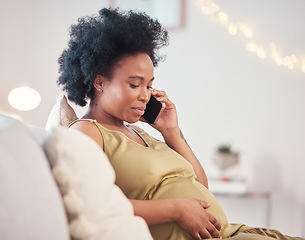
132, 121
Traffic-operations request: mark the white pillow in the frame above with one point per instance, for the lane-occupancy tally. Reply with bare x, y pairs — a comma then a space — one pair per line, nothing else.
96, 207
62, 113
31, 205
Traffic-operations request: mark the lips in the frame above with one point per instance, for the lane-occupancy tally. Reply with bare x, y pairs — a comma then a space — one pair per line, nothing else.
139, 110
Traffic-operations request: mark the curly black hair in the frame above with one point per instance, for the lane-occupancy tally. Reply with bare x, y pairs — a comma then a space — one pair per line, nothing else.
97, 42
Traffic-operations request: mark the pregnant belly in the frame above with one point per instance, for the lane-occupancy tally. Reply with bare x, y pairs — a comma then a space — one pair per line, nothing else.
181, 187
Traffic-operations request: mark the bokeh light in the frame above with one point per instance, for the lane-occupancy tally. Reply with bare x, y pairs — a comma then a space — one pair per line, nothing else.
24, 98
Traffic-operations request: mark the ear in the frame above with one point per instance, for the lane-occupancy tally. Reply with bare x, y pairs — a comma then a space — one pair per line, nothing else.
98, 83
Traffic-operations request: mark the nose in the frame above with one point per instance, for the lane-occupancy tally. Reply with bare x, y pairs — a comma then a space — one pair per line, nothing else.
145, 95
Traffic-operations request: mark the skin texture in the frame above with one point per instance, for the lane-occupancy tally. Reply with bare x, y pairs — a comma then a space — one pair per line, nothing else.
122, 98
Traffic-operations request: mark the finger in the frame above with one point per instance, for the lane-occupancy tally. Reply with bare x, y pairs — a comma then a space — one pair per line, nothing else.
162, 97
163, 105
204, 204
215, 223
205, 234
213, 231
196, 236
163, 100
158, 93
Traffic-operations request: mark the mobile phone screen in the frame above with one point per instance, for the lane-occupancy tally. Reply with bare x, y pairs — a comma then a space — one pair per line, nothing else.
152, 110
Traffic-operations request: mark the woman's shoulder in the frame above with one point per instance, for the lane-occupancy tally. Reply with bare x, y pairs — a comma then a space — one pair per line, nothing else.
88, 127
83, 125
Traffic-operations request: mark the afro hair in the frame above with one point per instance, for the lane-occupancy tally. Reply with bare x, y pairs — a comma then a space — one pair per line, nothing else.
97, 42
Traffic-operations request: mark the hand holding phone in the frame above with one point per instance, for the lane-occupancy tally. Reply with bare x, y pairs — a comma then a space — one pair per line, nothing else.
153, 108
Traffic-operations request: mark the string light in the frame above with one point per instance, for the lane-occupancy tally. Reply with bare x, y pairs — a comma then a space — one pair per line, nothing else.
252, 47
216, 15
223, 18
232, 29
303, 66
245, 30
261, 53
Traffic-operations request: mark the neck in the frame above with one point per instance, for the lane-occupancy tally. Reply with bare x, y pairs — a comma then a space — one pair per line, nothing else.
97, 113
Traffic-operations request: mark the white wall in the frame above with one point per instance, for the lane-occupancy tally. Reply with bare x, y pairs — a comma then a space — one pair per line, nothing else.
223, 92
33, 35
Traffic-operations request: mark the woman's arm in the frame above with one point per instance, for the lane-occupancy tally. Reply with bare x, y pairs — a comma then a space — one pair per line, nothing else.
167, 124
175, 140
189, 214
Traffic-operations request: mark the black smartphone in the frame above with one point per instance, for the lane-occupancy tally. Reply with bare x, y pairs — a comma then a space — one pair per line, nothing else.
153, 108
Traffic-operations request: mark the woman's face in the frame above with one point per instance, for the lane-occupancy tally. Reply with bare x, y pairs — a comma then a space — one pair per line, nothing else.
126, 94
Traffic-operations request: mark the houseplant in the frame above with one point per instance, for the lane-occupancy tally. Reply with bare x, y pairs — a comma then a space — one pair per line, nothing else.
225, 157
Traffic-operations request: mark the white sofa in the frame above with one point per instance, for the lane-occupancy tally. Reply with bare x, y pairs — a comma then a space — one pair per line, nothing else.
59, 185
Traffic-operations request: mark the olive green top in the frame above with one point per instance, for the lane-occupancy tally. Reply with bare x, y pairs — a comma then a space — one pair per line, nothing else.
157, 172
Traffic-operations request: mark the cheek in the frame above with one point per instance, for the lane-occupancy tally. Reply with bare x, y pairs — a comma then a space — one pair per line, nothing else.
118, 98
113, 92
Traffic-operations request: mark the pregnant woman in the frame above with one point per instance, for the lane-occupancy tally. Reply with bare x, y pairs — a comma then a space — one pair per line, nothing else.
110, 61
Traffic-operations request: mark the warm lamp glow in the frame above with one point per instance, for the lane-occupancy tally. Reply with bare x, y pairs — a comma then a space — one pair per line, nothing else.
24, 98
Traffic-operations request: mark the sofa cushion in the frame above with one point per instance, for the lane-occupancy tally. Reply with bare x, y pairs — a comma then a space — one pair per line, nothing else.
30, 202
96, 207
61, 114
38, 134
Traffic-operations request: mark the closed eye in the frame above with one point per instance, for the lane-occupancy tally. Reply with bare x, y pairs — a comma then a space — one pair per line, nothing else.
133, 85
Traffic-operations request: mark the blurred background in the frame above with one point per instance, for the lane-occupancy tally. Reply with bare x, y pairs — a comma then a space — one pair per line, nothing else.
235, 70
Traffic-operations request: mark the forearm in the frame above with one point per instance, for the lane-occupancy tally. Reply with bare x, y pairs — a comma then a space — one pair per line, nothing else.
175, 140
188, 213
156, 211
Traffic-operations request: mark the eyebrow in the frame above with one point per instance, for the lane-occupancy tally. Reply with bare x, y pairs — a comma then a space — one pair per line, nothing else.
140, 77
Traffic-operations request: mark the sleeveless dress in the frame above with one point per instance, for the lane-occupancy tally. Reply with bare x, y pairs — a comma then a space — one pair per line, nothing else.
157, 172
